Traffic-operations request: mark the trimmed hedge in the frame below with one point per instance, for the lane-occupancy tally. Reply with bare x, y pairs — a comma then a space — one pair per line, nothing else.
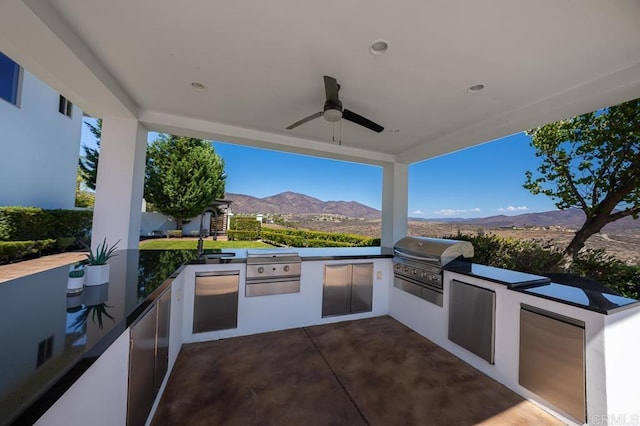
303, 238
22, 223
296, 237
245, 223
14, 250
30, 231
69, 223
237, 235
174, 233
31, 223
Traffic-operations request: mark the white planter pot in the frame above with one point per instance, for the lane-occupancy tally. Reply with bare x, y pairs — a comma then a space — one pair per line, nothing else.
95, 294
74, 301
96, 274
74, 285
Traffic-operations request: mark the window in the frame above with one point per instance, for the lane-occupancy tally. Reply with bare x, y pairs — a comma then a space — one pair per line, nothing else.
65, 106
9, 79
45, 350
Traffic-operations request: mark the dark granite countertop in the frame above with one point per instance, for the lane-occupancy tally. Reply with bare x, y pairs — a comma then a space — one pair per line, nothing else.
305, 253
592, 300
49, 338
344, 253
497, 275
602, 301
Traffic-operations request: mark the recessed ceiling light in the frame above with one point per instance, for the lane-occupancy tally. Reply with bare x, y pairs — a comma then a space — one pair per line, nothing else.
475, 88
198, 86
378, 47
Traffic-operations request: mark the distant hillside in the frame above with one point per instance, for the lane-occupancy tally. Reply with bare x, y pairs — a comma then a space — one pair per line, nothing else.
294, 203
571, 218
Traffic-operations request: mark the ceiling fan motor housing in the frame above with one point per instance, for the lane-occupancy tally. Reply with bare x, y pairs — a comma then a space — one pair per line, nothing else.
332, 114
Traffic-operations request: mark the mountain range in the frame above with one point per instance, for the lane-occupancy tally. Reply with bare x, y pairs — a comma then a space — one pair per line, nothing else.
295, 203
570, 218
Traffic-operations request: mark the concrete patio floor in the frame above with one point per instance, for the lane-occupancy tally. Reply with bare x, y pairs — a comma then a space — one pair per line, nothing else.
366, 372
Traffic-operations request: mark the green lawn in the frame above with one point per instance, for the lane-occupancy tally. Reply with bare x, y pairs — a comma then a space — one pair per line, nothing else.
190, 244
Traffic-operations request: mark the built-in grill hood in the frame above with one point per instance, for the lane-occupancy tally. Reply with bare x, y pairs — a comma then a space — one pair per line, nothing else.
433, 250
418, 263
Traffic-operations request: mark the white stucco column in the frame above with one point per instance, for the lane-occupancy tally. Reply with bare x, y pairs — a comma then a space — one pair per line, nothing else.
395, 202
120, 183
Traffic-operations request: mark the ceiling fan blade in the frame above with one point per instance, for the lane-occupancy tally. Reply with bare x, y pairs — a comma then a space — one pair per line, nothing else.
358, 119
331, 90
304, 120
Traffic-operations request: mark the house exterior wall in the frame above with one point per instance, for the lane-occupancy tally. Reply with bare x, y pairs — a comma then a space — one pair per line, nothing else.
39, 146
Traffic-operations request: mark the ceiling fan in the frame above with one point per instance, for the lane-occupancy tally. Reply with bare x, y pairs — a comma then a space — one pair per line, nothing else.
333, 111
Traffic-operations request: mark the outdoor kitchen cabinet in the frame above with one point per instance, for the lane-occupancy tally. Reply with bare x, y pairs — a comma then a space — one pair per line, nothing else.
215, 301
347, 289
552, 359
148, 358
472, 319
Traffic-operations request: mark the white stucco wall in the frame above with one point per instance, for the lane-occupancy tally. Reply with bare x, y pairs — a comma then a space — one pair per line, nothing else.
283, 311
39, 146
154, 221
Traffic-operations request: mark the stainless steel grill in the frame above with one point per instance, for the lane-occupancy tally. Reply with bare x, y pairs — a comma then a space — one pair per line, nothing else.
418, 263
272, 272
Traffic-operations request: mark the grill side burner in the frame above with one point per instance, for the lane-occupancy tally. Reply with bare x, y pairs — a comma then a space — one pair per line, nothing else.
272, 272
418, 263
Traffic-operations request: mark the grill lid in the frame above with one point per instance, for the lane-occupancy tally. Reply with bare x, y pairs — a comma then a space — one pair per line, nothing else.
435, 250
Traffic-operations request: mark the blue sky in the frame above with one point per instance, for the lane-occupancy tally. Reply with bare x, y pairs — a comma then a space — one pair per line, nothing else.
482, 181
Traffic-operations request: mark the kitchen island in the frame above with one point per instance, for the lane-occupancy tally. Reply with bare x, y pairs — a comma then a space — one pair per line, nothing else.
50, 339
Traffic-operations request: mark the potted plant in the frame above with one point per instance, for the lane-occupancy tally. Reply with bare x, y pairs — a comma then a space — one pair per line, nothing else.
76, 279
97, 268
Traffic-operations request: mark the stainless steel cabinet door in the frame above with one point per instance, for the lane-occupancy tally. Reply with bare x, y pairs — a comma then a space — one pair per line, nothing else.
472, 318
336, 291
142, 368
216, 301
162, 338
361, 287
552, 360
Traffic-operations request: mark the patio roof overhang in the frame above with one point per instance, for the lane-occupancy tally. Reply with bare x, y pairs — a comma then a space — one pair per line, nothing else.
262, 65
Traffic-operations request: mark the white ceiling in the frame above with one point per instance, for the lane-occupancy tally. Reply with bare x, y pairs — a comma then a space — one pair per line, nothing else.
263, 62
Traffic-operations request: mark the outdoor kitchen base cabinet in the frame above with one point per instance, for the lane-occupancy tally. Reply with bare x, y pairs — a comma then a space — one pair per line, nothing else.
472, 319
552, 359
215, 304
148, 359
347, 289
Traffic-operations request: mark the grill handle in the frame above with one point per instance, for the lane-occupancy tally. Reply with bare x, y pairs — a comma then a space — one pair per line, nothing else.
418, 258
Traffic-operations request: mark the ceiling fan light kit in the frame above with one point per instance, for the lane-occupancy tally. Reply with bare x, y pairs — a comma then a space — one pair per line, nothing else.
332, 115
333, 111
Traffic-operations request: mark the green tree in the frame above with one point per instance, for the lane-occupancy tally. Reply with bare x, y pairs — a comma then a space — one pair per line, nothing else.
591, 162
89, 163
183, 176
83, 198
